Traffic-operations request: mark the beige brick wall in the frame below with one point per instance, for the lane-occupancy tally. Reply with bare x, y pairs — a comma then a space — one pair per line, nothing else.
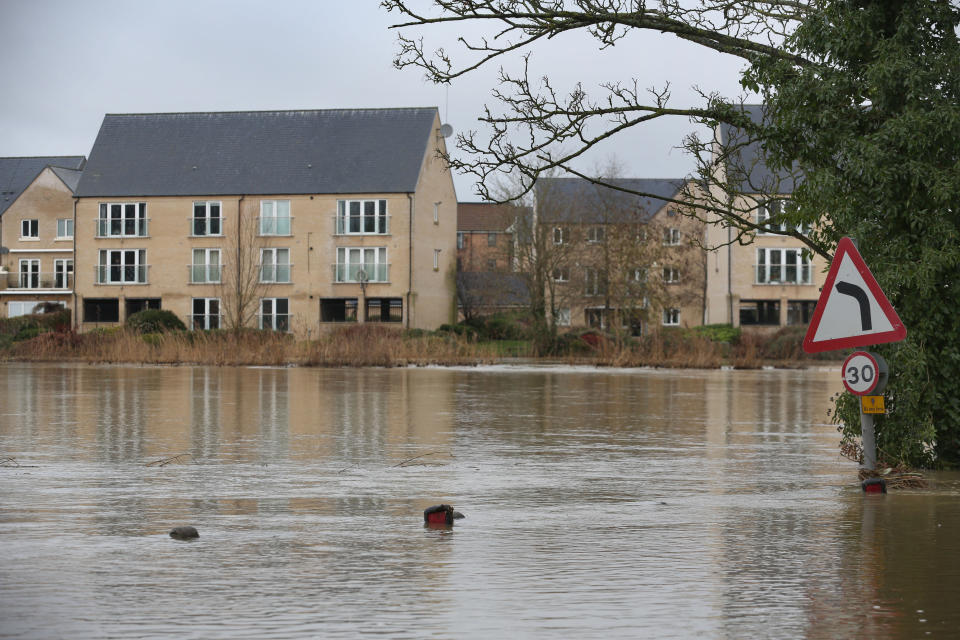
46, 200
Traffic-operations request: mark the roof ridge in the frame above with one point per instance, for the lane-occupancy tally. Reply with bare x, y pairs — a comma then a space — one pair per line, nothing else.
239, 111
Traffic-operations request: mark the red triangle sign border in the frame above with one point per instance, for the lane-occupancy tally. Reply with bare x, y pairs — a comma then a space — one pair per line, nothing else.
846, 248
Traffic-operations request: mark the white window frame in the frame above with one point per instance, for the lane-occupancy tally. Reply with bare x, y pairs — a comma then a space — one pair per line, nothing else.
132, 221
561, 274
62, 273
29, 270
365, 217
105, 266
275, 218
671, 237
64, 228
16, 308
772, 209
594, 282
210, 318
671, 317
207, 218
671, 275
459, 239
272, 319
275, 266
596, 235
208, 269
436, 213
560, 236
436, 259
770, 272
563, 317
372, 260
30, 229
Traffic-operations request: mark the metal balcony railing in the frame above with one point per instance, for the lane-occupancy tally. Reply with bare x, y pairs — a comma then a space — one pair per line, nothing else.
361, 225
204, 273
38, 280
121, 274
275, 226
275, 273
275, 321
123, 227
361, 272
783, 274
201, 227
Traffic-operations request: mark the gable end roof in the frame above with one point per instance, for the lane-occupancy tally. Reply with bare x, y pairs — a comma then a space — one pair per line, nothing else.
575, 200
259, 152
16, 174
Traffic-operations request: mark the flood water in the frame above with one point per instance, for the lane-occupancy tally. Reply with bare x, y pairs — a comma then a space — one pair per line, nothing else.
599, 503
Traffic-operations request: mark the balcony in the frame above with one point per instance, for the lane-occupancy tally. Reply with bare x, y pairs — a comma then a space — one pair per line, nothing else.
275, 321
361, 226
273, 273
783, 274
275, 226
37, 280
361, 272
123, 227
203, 227
121, 274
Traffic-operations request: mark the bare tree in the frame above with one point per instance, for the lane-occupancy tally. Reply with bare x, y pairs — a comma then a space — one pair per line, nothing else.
241, 285
539, 130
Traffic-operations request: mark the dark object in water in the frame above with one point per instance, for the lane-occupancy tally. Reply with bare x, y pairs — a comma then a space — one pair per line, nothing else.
184, 533
874, 485
441, 514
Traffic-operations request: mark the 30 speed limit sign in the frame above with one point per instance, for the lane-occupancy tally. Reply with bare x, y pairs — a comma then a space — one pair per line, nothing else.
862, 372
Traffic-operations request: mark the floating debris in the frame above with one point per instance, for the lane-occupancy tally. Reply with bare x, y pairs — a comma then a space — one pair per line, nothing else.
165, 461
895, 477
184, 533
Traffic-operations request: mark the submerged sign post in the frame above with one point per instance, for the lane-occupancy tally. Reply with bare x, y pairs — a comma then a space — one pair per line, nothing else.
853, 312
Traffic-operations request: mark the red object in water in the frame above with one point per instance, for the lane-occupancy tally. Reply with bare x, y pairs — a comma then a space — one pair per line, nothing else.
874, 485
441, 514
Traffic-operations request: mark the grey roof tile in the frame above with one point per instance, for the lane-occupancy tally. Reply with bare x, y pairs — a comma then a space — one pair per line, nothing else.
16, 174
576, 200
748, 170
259, 152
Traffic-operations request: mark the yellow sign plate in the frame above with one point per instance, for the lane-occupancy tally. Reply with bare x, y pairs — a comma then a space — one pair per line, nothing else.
872, 404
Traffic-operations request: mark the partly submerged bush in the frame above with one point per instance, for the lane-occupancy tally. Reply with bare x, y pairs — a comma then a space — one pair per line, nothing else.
155, 321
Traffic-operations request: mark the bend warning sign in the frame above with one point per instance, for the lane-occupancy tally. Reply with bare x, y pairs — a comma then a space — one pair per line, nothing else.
852, 310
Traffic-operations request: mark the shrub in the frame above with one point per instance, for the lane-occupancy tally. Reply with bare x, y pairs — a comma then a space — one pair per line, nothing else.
719, 332
155, 321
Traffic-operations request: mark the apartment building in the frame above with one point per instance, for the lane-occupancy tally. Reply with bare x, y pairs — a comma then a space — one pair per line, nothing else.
614, 259
773, 281
288, 220
36, 232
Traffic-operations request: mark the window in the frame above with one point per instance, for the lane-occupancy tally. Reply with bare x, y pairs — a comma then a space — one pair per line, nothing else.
274, 314
561, 274
29, 274
783, 266
29, 229
436, 213
459, 239
491, 239
101, 310
436, 259
563, 317
15, 309
338, 310
596, 282
638, 274
275, 265
64, 228
760, 312
63, 273
671, 237
206, 266
206, 220
362, 217
122, 219
560, 236
671, 275
800, 311
122, 266
596, 234
770, 217
671, 213
136, 305
206, 314
671, 317
367, 264
384, 310
275, 217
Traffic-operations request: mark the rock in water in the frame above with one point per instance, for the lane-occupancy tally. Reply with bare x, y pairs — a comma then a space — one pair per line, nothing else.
184, 533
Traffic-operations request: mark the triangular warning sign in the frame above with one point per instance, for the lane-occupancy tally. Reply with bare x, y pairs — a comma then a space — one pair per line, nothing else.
852, 310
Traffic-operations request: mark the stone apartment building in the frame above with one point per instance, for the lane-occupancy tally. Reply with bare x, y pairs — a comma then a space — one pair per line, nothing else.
36, 231
288, 220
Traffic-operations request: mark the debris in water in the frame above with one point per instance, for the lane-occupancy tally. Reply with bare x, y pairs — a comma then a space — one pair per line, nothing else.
184, 533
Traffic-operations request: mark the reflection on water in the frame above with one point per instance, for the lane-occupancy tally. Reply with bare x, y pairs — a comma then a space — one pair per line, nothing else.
600, 503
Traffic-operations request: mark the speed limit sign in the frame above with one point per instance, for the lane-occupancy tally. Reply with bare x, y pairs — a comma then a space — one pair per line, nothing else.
863, 373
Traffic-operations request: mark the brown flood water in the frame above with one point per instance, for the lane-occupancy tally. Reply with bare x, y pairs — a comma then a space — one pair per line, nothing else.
599, 503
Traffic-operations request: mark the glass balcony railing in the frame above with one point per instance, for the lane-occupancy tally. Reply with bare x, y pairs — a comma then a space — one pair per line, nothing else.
123, 227
361, 272
38, 280
121, 274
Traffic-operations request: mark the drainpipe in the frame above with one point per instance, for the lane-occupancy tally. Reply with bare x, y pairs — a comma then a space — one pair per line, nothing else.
76, 269
410, 262
236, 262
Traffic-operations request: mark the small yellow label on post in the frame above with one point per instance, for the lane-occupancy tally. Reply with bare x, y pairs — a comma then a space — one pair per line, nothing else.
872, 404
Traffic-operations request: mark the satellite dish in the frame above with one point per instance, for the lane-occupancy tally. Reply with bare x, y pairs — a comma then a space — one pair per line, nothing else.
446, 130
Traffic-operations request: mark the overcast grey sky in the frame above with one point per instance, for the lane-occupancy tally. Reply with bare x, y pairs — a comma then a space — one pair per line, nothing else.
66, 63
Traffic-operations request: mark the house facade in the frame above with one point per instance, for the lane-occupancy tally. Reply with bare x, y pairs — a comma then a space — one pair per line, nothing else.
36, 232
773, 281
484, 242
289, 220
614, 260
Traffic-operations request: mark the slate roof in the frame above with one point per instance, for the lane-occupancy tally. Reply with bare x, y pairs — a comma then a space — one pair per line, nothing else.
754, 175
576, 200
494, 289
258, 152
485, 216
70, 177
16, 174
